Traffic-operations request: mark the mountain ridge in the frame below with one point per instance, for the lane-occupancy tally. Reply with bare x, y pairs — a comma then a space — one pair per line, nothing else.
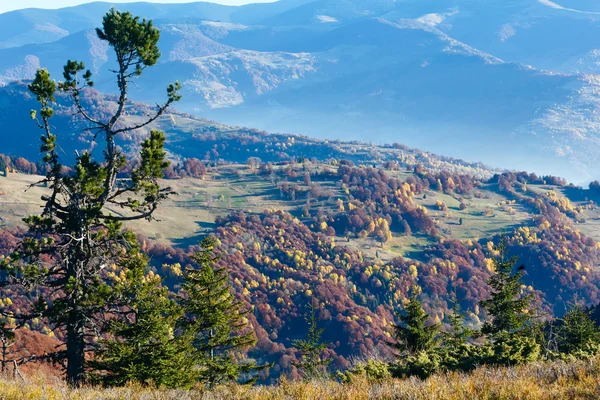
420, 73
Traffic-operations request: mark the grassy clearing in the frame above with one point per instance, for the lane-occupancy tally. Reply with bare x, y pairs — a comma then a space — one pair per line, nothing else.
191, 213
590, 212
17, 199
483, 216
537, 381
407, 246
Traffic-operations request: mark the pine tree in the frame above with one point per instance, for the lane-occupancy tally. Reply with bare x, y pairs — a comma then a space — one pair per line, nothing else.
76, 235
215, 320
312, 363
512, 327
457, 351
459, 333
507, 306
413, 335
416, 341
578, 334
140, 344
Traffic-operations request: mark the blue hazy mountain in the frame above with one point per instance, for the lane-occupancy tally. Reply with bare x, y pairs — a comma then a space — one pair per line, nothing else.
512, 83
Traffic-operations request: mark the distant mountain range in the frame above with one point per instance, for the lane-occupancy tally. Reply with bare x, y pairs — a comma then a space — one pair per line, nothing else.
512, 83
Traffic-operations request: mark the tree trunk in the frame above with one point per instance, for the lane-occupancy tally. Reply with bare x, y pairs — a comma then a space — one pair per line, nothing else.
75, 349
4, 354
75, 324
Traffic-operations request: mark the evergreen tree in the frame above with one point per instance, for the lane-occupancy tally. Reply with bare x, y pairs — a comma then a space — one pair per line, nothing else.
76, 235
578, 334
413, 335
457, 351
373, 370
507, 306
312, 363
459, 333
512, 327
140, 344
416, 341
215, 320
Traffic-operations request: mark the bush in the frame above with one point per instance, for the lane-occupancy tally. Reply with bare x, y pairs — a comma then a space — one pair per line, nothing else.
463, 356
371, 370
511, 349
423, 365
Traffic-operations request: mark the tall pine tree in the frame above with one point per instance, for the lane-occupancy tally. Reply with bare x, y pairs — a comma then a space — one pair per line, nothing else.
76, 235
413, 334
215, 320
457, 351
139, 343
511, 330
417, 342
459, 334
507, 305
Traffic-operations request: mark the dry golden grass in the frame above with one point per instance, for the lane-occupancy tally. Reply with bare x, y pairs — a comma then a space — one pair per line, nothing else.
181, 219
557, 380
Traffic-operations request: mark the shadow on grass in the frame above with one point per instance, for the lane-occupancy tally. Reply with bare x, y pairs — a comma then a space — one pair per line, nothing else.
204, 228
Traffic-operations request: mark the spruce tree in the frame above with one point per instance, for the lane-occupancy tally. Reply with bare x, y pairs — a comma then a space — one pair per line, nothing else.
214, 320
507, 306
416, 341
312, 363
140, 343
512, 326
457, 351
413, 334
578, 334
459, 334
77, 235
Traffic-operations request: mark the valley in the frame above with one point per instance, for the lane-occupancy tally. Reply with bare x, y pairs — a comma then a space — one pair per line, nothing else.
353, 237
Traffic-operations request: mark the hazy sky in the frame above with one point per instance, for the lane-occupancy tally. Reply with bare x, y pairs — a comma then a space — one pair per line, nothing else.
9, 5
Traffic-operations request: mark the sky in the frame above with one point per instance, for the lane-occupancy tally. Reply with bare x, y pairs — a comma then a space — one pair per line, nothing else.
9, 5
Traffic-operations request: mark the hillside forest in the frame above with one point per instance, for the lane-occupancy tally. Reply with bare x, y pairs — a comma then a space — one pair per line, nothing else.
149, 246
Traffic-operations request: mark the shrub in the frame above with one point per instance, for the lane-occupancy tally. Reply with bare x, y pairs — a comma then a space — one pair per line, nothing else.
371, 370
423, 364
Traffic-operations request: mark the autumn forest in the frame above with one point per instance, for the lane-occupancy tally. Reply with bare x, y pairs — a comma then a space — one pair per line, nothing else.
177, 253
